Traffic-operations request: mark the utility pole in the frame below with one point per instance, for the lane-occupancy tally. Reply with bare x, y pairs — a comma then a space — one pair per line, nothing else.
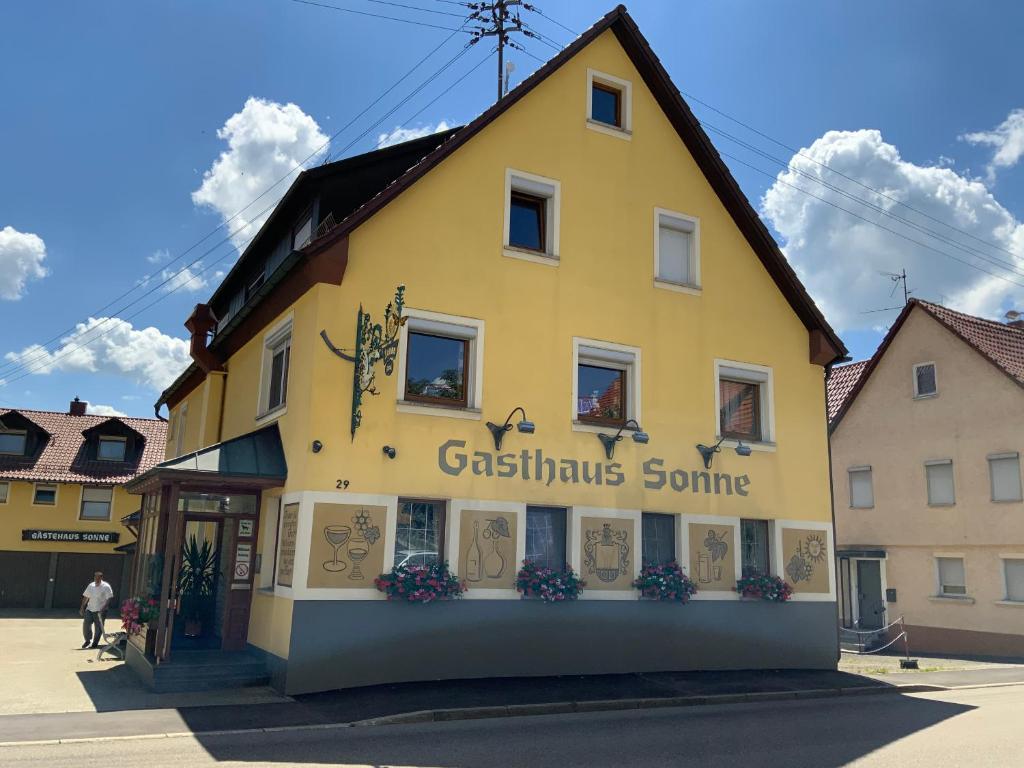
902, 277
499, 18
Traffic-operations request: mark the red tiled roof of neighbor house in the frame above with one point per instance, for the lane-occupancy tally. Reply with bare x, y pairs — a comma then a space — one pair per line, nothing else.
841, 382
63, 460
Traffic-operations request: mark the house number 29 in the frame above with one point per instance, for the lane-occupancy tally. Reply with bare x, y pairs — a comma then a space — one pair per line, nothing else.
342, 484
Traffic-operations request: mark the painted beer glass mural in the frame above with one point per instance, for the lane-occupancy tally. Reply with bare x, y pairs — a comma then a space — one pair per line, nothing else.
347, 545
487, 549
712, 556
806, 556
607, 552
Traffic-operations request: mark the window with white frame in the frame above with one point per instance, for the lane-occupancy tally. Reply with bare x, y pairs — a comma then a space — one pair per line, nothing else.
676, 249
276, 362
1013, 572
862, 492
96, 503
939, 475
45, 494
744, 395
531, 215
12, 442
111, 448
952, 582
606, 383
440, 360
925, 383
1004, 476
5, 489
609, 104
179, 441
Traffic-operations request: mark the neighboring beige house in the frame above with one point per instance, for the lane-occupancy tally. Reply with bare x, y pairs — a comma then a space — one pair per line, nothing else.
926, 439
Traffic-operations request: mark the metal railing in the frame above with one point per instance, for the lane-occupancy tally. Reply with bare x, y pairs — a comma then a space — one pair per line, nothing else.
901, 635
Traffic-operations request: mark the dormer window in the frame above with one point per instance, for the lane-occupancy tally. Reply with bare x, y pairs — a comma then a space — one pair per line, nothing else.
12, 442
111, 448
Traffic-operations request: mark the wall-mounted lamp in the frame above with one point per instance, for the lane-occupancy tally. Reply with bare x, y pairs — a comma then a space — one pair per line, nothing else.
317, 446
609, 441
389, 451
525, 426
708, 452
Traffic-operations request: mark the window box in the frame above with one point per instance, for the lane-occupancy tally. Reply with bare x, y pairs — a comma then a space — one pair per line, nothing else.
532, 216
665, 582
609, 104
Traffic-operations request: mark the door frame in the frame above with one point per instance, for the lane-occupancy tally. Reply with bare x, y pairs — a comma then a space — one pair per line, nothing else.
855, 588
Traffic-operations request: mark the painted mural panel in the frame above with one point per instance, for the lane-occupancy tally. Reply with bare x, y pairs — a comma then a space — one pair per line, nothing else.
286, 552
606, 552
712, 556
805, 554
487, 543
347, 547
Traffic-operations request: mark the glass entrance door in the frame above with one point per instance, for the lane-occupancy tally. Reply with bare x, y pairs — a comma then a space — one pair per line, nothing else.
197, 623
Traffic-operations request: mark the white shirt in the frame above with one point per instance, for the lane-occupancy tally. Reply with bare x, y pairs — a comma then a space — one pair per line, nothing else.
98, 594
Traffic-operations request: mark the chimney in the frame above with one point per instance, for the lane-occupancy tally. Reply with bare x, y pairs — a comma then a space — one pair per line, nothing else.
77, 407
199, 324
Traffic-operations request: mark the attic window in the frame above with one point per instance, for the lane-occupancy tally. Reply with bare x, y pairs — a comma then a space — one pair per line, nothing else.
12, 443
303, 233
606, 104
609, 104
111, 448
925, 384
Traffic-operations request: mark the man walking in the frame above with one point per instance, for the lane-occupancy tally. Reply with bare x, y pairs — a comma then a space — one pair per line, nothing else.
95, 598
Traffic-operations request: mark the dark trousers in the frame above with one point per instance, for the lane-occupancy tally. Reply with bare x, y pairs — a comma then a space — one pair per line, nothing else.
93, 619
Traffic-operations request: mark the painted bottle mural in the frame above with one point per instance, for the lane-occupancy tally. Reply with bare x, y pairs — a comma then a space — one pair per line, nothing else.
494, 562
474, 555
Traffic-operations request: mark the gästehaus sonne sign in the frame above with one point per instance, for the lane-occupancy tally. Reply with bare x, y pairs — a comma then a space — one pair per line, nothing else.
453, 459
74, 537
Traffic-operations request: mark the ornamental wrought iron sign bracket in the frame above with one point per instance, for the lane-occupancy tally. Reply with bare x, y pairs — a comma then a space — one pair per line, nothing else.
375, 342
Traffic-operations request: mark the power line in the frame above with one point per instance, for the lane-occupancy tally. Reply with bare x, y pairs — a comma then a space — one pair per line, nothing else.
541, 13
417, 8
378, 15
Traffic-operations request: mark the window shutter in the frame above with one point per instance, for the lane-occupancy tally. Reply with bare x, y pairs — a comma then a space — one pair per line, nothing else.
861, 490
951, 576
1005, 474
940, 483
674, 254
1014, 579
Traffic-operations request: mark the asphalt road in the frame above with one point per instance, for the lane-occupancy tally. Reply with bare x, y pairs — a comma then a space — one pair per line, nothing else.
976, 727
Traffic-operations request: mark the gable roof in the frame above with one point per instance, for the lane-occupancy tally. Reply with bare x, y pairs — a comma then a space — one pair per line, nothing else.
1000, 344
62, 458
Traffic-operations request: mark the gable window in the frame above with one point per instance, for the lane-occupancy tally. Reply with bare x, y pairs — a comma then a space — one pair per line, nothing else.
951, 576
676, 250
1013, 571
111, 448
745, 398
303, 233
939, 475
658, 538
439, 364
862, 492
276, 362
925, 384
1004, 474
531, 216
609, 104
545, 537
96, 503
754, 559
45, 494
12, 442
419, 533
5, 489
436, 369
606, 383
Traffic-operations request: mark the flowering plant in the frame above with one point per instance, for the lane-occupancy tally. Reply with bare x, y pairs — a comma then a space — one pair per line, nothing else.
665, 581
137, 612
770, 588
549, 585
420, 583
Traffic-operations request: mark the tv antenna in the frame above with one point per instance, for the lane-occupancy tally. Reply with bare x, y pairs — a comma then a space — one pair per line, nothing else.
897, 278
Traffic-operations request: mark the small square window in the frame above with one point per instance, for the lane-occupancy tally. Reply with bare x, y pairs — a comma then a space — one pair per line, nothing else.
45, 494
545, 537
1004, 474
436, 370
602, 394
659, 538
526, 222
925, 384
13, 443
96, 503
5, 489
740, 409
606, 104
419, 533
111, 449
754, 558
862, 492
1013, 569
609, 104
939, 475
951, 576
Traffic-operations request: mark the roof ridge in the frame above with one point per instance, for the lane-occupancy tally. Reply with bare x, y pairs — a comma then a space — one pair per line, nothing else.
73, 416
993, 323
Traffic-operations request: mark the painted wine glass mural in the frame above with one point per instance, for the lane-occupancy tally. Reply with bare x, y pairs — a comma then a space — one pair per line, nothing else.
709, 568
336, 536
359, 547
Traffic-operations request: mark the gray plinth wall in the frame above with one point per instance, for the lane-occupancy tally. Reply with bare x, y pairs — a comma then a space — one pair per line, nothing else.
344, 644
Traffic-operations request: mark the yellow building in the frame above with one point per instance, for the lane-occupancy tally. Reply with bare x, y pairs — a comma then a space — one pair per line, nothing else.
62, 500
579, 252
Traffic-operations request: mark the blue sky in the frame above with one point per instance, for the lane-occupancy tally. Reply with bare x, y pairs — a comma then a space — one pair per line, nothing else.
112, 111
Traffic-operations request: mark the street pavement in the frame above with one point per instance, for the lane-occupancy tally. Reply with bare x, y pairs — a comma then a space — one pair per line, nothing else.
973, 727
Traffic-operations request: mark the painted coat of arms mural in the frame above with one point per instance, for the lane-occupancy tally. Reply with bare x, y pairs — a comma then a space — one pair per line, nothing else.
805, 554
607, 555
347, 547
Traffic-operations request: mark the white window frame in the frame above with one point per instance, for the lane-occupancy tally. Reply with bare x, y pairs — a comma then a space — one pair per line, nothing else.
607, 354
278, 336
939, 587
992, 457
6, 486
179, 440
871, 484
1006, 587
625, 87
539, 186
759, 374
451, 326
112, 439
935, 372
928, 485
693, 288
81, 505
56, 494
24, 441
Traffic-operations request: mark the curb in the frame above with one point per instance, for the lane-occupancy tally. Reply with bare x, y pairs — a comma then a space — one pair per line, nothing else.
515, 710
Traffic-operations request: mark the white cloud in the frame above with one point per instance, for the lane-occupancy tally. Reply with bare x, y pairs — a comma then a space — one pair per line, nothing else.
112, 346
159, 257
184, 279
400, 133
1007, 138
21, 259
839, 257
266, 140
103, 410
